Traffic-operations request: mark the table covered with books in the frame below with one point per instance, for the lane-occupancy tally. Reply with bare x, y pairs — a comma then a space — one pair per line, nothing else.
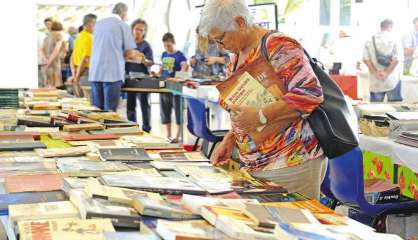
70, 171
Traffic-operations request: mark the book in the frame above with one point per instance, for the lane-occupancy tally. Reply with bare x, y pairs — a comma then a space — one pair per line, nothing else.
89, 137
117, 195
27, 164
35, 135
268, 217
195, 203
273, 197
65, 229
34, 183
182, 157
148, 206
63, 152
83, 126
39, 211
162, 185
90, 208
118, 124
313, 206
198, 171
171, 166
119, 131
150, 141
131, 235
34, 121
188, 230
87, 168
236, 229
124, 154
213, 213
306, 231
11, 161
22, 146
28, 197
71, 183
43, 130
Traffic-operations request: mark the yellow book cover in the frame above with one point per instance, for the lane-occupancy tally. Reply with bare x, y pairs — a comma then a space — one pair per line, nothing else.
47, 210
65, 229
212, 213
312, 205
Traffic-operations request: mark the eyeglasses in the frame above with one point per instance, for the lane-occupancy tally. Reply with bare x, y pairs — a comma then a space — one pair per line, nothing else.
221, 39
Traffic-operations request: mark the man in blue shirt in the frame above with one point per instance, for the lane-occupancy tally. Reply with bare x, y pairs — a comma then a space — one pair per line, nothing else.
139, 29
112, 43
173, 61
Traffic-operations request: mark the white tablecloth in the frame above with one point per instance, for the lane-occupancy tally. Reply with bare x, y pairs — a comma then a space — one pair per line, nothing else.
208, 93
400, 154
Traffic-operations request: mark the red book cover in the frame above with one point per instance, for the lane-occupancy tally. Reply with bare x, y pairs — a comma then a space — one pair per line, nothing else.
18, 135
34, 183
88, 137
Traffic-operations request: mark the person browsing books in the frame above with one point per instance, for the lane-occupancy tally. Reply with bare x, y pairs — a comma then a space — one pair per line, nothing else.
139, 30
172, 62
289, 155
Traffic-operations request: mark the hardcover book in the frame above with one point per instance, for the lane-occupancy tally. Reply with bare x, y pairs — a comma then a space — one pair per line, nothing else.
65, 229
124, 154
159, 208
39, 211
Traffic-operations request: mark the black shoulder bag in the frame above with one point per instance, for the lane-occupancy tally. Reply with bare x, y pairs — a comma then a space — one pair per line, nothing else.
384, 60
334, 122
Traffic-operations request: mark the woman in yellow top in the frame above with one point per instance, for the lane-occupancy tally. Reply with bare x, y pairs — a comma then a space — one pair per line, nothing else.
291, 157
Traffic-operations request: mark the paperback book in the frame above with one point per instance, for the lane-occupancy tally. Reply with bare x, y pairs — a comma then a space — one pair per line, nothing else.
40, 211
124, 154
88, 168
34, 183
62, 152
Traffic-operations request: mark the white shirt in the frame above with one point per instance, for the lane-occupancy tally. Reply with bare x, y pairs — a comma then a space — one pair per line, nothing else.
386, 44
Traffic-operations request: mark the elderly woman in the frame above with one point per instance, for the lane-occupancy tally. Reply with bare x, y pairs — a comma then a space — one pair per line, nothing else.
291, 157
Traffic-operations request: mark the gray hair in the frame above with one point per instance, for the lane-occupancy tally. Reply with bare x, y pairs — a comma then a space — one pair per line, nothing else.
89, 18
120, 8
221, 14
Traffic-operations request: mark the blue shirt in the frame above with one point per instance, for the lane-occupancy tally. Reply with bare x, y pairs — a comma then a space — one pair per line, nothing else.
172, 63
144, 48
112, 37
202, 70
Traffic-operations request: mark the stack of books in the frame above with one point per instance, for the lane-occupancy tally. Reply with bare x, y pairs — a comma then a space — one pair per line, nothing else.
9, 98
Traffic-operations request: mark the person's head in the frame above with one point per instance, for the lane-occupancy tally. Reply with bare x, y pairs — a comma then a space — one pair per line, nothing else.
228, 22
415, 22
121, 9
89, 21
386, 25
169, 42
139, 29
48, 23
72, 31
56, 27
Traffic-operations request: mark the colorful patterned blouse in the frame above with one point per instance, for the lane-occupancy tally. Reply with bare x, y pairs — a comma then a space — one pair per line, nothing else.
297, 143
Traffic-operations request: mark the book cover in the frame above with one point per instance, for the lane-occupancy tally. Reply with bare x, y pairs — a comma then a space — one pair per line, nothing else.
30, 197
236, 229
171, 166
78, 183
119, 131
213, 213
148, 206
124, 154
90, 208
188, 230
268, 217
195, 203
117, 195
183, 157
22, 146
131, 235
150, 141
39, 211
89, 137
65, 229
63, 152
75, 167
83, 126
34, 183
313, 206
163, 185
35, 135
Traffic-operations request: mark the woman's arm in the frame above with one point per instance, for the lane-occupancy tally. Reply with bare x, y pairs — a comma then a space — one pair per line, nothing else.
55, 53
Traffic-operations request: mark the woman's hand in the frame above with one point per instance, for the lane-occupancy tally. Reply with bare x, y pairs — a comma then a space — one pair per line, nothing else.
223, 152
245, 118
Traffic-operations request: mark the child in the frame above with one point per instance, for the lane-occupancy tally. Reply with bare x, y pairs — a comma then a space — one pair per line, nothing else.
172, 62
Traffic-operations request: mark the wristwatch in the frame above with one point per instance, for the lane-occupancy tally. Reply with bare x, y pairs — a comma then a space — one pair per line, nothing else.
262, 118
